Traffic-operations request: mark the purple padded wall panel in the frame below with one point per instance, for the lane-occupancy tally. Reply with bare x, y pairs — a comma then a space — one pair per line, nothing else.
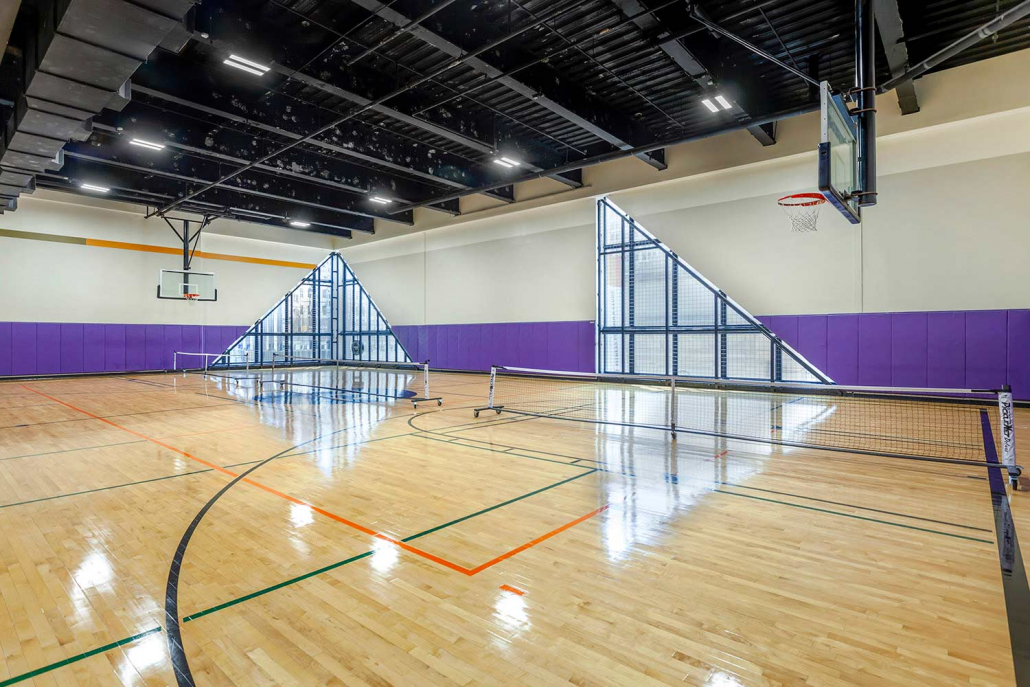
135, 347
482, 347
172, 342
874, 349
842, 348
587, 347
562, 344
533, 345
5, 349
114, 347
908, 349
986, 348
23, 348
812, 339
48, 348
71, 348
787, 329
191, 336
1019, 353
155, 346
423, 344
946, 350
93, 345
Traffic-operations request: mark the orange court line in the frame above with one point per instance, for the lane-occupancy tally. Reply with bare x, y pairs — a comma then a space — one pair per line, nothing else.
333, 516
146, 248
513, 590
505, 556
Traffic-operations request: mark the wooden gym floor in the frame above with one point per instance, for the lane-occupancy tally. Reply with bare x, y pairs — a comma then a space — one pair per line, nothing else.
386, 546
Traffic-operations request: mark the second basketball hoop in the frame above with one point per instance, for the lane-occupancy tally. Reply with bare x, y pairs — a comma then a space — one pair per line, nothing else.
802, 209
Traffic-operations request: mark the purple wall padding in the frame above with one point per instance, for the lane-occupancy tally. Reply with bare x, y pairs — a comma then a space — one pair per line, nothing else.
566, 346
971, 349
30, 348
962, 349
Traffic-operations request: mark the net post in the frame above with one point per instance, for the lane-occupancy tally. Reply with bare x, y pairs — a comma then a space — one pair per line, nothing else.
425, 379
672, 406
1008, 426
493, 381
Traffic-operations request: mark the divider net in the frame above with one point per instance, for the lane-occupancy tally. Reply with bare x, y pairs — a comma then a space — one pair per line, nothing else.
942, 424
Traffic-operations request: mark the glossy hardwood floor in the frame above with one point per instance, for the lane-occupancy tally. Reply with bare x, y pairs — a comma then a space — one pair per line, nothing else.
389, 546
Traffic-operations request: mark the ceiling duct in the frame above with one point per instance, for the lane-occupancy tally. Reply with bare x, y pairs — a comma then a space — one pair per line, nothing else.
77, 59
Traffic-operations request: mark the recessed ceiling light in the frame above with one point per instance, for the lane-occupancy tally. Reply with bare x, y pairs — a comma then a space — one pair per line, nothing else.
380, 200
710, 105
92, 187
299, 225
147, 144
246, 65
722, 101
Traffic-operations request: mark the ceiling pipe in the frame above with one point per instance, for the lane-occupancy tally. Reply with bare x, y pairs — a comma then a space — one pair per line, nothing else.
614, 155
712, 26
972, 38
378, 101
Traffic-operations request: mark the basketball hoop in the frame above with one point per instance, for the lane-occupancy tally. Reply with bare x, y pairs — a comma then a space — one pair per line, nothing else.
802, 210
191, 297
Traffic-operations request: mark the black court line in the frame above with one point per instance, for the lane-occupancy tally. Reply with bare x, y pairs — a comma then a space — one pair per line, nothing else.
1013, 573
177, 654
71, 450
107, 417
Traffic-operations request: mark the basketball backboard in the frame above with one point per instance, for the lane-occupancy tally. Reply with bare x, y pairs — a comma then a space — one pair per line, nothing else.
178, 284
838, 155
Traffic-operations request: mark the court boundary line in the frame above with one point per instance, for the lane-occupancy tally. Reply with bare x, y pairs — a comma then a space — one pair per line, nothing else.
78, 657
1014, 584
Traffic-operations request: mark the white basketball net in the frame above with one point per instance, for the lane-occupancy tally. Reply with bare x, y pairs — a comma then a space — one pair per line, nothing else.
802, 209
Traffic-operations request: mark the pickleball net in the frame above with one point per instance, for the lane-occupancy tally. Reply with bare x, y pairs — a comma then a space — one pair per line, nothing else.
929, 424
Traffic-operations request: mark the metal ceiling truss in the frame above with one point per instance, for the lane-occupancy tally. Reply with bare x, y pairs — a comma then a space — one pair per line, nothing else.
415, 100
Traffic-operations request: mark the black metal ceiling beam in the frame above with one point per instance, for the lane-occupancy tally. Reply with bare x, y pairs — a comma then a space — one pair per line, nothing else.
223, 144
687, 62
619, 154
127, 181
537, 83
892, 35
232, 34
167, 78
193, 170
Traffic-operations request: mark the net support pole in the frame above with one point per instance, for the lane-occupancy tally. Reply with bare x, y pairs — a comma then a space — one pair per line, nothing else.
493, 380
425, 380
672, 407
1008, 427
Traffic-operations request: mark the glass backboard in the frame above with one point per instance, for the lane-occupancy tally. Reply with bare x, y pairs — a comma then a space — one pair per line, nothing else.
838, 155
176, 284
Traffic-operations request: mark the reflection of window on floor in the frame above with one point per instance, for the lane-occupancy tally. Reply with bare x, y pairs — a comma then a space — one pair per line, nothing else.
657, 315
327, 316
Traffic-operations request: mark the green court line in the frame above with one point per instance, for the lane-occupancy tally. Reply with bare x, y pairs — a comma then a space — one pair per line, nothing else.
855, 517
74, 659
93, 491
352, 559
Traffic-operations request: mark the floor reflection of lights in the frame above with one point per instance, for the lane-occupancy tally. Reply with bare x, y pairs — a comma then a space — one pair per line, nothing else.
384, 556
510, 612
143, 654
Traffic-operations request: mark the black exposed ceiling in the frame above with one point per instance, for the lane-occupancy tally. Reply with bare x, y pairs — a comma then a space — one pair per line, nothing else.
575, 79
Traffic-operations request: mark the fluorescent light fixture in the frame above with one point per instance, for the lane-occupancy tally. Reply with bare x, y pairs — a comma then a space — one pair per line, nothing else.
710, 105
380, 200
299, 225
147, 144
722, 101
91, 187
513, 163
504, 164
246, 65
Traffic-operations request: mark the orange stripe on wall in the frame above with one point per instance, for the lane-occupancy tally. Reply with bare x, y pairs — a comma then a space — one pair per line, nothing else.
142, 247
